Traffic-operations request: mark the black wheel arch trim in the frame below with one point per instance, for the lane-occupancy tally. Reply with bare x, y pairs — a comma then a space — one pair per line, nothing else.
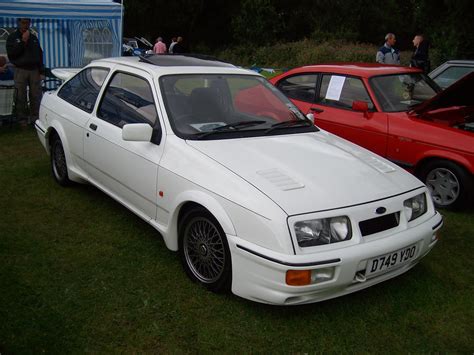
439, 224
315, 263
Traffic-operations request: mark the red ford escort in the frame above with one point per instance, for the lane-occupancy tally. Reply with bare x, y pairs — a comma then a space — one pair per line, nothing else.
398, 113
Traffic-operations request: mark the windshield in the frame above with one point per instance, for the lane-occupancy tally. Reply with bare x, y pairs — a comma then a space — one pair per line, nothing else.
403, 91
211, 106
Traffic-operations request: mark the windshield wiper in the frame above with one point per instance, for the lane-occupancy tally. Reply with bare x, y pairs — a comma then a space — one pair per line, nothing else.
230, 127
290, 123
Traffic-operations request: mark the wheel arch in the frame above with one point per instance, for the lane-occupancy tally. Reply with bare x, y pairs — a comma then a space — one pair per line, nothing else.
443, 155
189, 200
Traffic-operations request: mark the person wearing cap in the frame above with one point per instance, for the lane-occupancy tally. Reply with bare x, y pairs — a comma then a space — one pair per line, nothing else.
24, 51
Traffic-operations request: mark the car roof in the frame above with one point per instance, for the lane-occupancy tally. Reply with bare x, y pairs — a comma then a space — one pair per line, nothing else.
365, 70
175, 64
468, 62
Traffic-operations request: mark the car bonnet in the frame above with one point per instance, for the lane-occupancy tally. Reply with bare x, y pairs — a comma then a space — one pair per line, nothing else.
461, 93
309, 172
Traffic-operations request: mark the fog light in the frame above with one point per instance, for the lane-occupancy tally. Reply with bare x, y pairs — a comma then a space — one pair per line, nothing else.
298, 277
434, 237
321, 275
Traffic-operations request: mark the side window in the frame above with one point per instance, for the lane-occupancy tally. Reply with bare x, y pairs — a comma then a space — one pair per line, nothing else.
342, 91
127, 99
82, 90
299, 87
451, 75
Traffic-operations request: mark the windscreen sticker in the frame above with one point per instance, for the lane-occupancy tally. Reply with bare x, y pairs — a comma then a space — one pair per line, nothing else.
335, 87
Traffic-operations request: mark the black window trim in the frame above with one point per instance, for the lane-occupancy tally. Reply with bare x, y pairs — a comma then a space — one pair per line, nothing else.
120, 71
316, 85
317, 100
98, 94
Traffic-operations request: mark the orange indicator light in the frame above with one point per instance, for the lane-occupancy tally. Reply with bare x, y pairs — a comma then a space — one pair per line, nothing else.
298, 277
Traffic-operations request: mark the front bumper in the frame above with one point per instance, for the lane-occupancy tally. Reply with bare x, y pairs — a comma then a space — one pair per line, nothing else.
259, 274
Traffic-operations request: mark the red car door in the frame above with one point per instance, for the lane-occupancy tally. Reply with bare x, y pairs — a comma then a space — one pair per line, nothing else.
344, 113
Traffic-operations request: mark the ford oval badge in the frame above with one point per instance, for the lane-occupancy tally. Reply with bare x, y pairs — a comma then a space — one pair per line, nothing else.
380, 210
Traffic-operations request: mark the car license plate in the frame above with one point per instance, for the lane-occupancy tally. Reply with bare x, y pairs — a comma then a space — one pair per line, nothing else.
391, 260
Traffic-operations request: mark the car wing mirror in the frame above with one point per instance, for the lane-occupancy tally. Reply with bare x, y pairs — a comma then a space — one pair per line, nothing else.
310, 117
137, 132
361, 106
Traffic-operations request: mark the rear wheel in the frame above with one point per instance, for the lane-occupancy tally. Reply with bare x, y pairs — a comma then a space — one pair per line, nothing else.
58, 162
450, 185
204, 250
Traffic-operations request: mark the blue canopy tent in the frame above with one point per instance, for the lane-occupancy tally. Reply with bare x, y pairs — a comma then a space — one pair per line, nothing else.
71, 32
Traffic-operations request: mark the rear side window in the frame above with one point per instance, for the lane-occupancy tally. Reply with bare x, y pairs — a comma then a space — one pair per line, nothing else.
299, 87
82, 90
342, 91
127, 99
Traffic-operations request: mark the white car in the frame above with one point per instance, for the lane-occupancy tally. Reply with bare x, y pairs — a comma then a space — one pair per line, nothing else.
253, 196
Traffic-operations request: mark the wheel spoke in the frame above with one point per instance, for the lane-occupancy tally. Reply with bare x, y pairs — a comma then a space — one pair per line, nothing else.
204, 250
444, 186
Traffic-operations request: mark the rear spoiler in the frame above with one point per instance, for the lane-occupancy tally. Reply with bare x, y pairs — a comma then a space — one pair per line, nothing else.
65, 73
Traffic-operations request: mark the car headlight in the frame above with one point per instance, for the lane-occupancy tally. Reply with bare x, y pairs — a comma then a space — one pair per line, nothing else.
415, 207
323, 231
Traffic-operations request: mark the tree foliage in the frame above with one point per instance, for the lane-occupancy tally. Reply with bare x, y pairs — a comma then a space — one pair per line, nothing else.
213, 25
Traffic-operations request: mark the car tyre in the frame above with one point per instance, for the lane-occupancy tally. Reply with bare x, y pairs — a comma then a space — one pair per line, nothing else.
204, 251
58, 162
450, 184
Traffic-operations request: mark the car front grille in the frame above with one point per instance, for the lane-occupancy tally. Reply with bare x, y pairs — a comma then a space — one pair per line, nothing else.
379, 224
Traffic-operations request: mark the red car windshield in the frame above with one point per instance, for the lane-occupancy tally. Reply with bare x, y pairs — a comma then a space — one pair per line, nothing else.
401, 92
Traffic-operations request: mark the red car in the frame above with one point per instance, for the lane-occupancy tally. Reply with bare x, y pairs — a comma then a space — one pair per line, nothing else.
398, 113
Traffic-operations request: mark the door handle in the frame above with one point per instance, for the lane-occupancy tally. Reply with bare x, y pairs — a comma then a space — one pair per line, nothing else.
317, 110
93, 126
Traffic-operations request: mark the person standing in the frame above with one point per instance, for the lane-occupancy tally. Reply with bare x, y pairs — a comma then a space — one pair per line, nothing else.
420, 58
24, 51
173, 43
178, 47
387, 54
159, 47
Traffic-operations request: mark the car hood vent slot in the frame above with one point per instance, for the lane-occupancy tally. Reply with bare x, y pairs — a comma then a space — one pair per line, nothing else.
280, 180
379, 164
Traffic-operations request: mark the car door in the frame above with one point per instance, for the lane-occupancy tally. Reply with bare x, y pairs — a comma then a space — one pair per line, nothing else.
127, 170
81, 92
335, 112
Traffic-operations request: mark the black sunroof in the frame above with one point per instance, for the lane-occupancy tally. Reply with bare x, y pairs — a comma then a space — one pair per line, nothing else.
183, 60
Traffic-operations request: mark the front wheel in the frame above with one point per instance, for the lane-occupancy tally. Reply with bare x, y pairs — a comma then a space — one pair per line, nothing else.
58, 162
450, 185
204, 251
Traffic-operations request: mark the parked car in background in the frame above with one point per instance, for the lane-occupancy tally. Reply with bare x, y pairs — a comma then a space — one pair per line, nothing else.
253, 196
451, 71
136, 46
398, 113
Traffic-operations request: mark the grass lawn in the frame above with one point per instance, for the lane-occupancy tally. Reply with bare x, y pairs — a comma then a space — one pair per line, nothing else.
80, 273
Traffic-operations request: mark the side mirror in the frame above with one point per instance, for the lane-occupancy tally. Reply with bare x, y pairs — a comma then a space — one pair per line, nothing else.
360, 106
310, 117
137, 132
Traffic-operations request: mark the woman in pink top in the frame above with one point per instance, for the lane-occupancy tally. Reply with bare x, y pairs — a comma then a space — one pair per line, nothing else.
160, 47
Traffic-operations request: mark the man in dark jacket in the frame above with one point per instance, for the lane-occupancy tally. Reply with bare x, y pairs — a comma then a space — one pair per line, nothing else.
25, 52
420, 58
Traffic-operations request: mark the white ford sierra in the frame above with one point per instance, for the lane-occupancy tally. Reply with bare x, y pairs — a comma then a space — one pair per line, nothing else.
254, 197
